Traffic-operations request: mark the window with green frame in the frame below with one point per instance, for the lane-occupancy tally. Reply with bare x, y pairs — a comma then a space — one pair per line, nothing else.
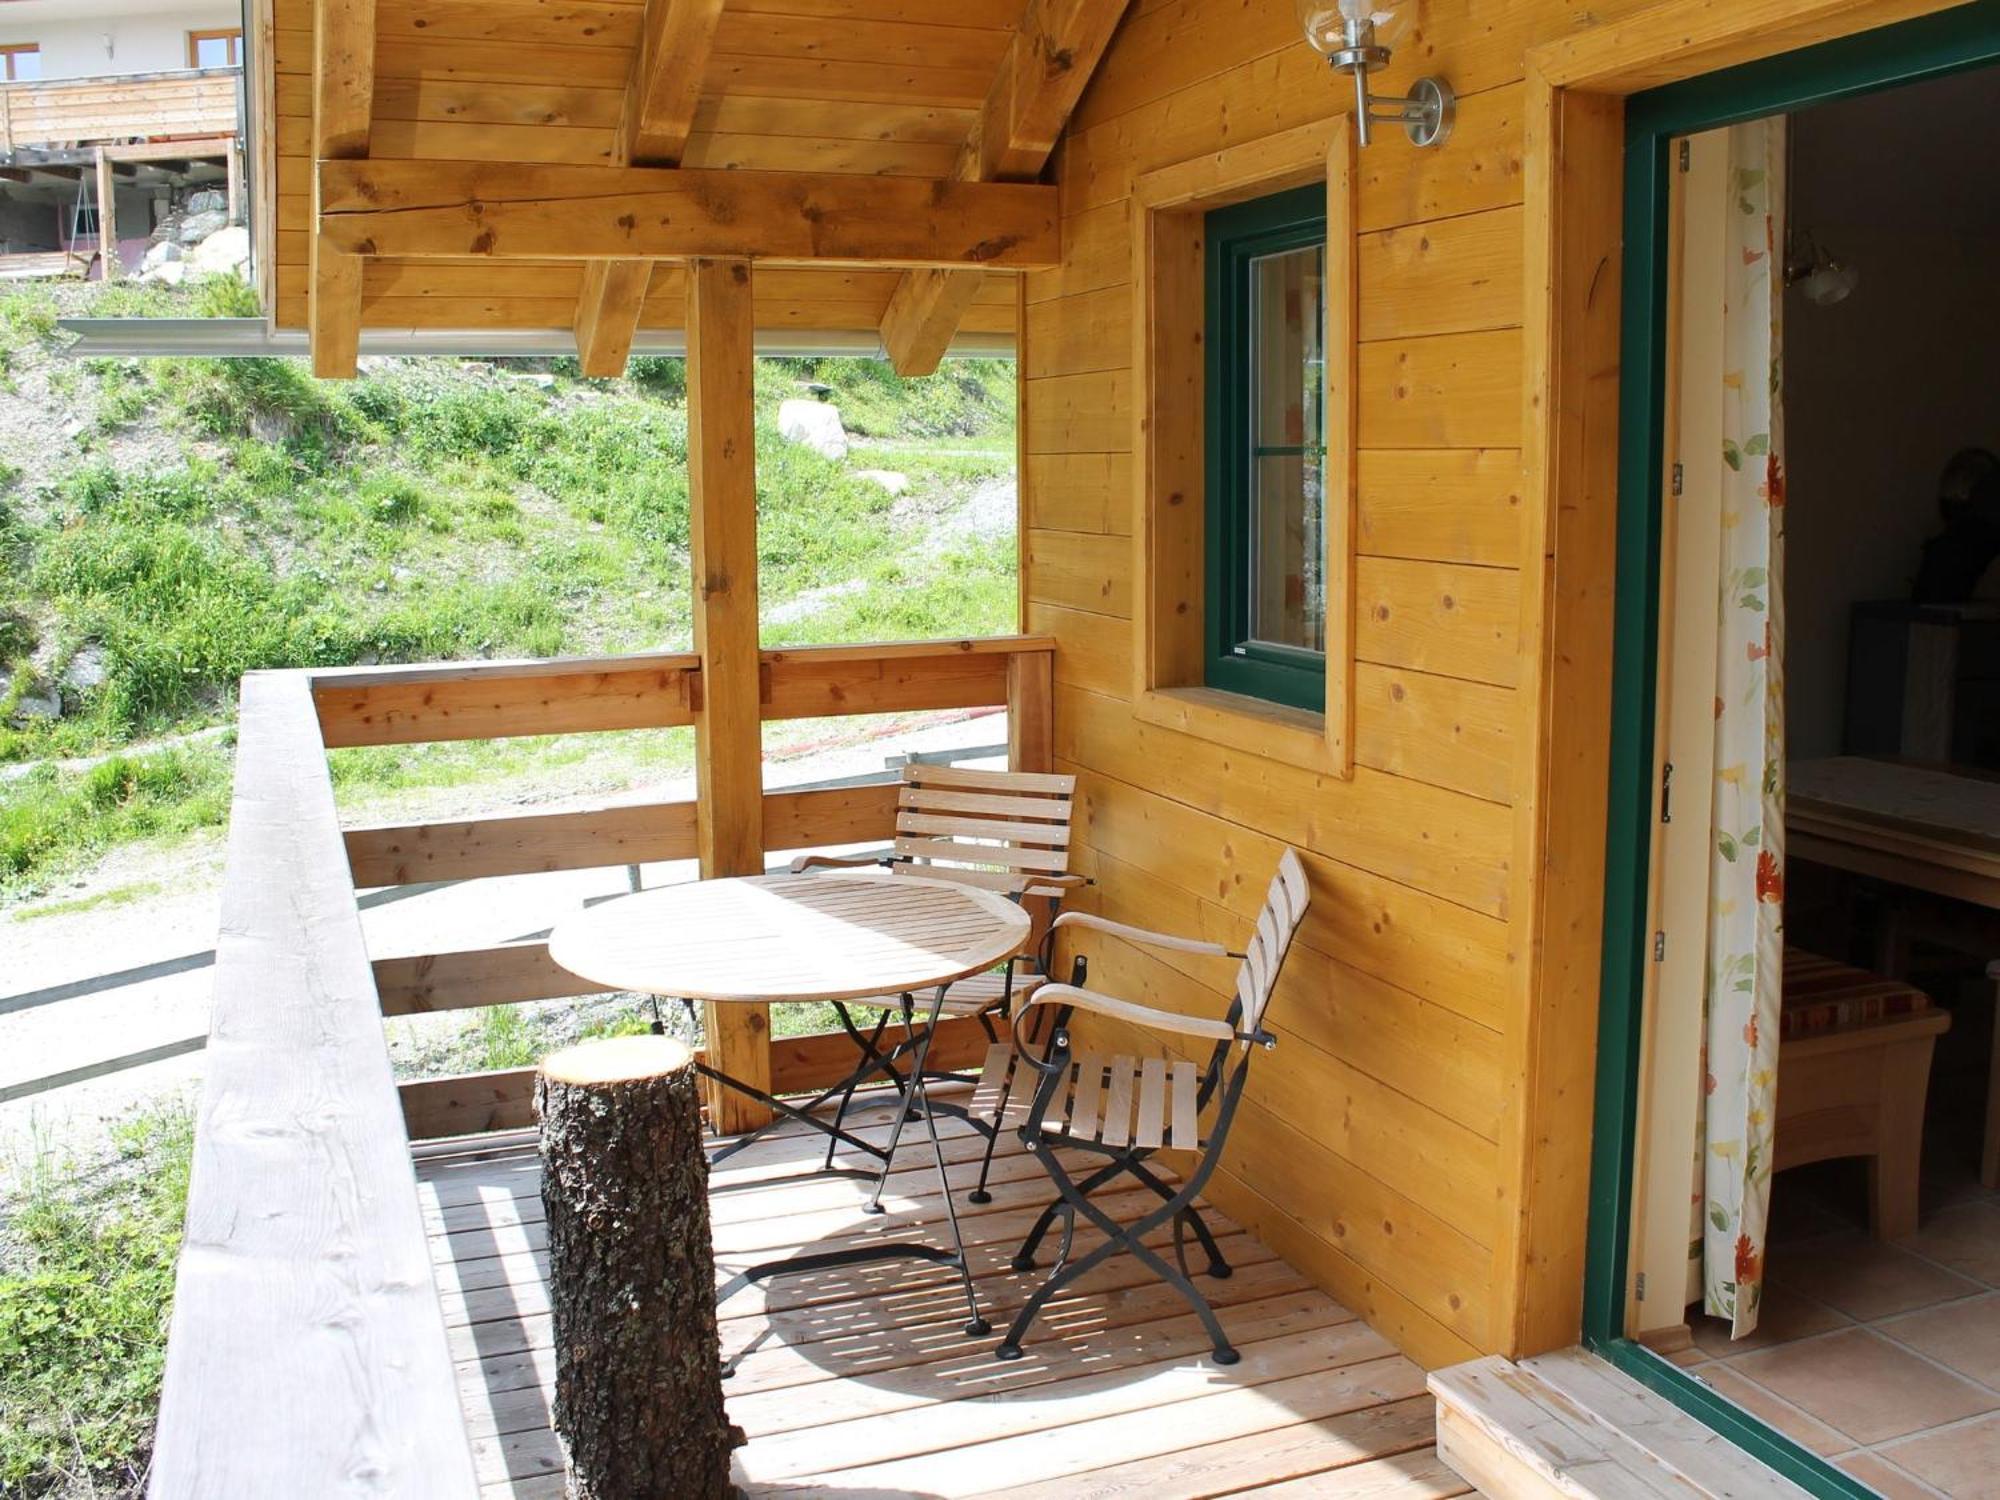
1266, 447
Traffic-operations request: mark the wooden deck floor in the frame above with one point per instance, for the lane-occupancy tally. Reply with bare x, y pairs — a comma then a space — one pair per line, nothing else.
860, 1383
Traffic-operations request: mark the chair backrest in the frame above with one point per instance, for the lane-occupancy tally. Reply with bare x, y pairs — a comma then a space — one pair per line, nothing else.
996, 829
1284, 909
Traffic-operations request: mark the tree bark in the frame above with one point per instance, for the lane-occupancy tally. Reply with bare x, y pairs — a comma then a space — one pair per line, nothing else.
632, 1273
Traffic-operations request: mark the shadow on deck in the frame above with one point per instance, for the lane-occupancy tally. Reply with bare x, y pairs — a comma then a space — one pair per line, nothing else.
859, 1382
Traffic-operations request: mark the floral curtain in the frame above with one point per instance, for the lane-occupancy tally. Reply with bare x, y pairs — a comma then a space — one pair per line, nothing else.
1746, 863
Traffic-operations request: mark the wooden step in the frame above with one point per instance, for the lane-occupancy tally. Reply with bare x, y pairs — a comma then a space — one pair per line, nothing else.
1569, 1424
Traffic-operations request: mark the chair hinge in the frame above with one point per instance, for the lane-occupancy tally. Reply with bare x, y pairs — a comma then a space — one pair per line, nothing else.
1666, 791
1659, 947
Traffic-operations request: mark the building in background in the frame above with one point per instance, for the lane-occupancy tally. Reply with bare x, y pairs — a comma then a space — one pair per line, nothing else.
120, 120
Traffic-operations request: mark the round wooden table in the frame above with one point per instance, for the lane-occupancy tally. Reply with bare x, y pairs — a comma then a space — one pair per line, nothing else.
840, 936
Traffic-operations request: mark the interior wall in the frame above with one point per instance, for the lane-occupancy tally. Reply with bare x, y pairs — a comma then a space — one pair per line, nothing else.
1880, 390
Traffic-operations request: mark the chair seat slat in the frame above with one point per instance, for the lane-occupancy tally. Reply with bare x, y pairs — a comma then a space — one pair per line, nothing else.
1083, 1103
1152, 1103
1186, 1128
1118, 1103
1020, 1094
991, 1089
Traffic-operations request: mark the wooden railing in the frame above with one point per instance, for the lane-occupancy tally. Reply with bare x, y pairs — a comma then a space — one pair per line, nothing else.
307, 1354
67, 111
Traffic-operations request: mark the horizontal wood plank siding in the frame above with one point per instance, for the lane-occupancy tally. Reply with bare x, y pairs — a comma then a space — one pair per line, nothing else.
1378, 1150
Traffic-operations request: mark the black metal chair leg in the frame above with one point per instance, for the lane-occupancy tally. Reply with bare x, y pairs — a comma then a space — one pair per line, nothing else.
1225, 1353
1010, 1346
874, 1204
1217, 1267
1024, 1258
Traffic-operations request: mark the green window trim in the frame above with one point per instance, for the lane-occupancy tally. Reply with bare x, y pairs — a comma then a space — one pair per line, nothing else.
1234, 237
1967, 36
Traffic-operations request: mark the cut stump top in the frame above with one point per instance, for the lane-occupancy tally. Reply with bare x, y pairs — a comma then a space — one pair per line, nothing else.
618, 1059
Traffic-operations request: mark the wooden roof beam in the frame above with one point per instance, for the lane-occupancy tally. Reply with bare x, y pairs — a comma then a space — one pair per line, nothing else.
343, 109
675, 39
507, 210
1056, 48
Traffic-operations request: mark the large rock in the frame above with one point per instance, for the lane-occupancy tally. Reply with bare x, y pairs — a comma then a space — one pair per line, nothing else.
197, 227
816, 424
224, 250
158, 255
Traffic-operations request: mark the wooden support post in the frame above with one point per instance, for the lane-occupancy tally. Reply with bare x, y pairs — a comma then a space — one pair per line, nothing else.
343, 113
631, 1272
107, 217
729, 745
232, 162
1031, 697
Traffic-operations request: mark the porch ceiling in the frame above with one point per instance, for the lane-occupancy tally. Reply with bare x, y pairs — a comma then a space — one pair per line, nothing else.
841, 100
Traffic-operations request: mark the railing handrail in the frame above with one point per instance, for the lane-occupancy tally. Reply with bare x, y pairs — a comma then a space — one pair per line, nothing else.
307, 1353
99, 80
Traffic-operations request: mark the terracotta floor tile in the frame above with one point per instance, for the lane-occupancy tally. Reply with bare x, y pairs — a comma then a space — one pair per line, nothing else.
1963, 1461
1865, 1278
1785, 1315
1794, 1424
1965, 1237
1884, 1478
1964, 1335
1864, 1385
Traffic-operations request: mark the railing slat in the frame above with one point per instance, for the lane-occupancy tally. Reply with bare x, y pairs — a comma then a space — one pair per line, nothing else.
307, 1354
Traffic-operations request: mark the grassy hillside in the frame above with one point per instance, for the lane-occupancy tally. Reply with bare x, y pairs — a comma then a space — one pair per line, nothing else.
167, 525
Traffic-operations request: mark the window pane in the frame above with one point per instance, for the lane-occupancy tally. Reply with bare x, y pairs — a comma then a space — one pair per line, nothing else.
1288, 553
26, 66
214, 51
1286, 587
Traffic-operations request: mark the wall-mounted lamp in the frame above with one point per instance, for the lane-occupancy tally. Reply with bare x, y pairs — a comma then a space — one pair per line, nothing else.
1355, 36
1820, 278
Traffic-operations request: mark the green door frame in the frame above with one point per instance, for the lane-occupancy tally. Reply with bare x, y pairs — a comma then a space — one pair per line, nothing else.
1950, 41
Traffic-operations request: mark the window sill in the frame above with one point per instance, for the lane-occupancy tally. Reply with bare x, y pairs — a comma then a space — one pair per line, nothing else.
1295, 736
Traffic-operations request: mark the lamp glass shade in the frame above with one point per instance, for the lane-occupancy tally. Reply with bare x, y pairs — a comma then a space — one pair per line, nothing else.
1327, 23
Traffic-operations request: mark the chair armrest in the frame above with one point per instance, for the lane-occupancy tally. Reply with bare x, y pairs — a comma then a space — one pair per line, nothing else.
1126, 1010
1143, 935
833, 862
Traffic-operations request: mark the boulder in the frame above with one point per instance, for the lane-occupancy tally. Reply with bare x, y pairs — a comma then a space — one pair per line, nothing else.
889, 479
88, 669
160, 254
167, 273
227, 249
208, 201
197, 227
815, 424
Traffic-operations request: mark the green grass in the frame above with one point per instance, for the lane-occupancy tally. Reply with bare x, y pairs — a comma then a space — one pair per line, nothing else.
52, 820
427, 511
87, 1255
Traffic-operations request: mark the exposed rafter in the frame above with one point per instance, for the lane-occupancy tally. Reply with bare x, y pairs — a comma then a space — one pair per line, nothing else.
1055, 50
343, 106
421, 209
674, 42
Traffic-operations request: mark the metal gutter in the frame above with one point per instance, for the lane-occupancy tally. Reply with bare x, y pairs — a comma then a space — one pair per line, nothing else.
253, 338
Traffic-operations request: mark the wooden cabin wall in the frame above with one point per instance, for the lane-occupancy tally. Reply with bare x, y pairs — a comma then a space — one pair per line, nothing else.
1385, 1148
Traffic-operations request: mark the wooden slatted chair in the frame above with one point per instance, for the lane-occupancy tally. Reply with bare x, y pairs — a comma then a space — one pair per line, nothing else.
1006, 831
1125, 1108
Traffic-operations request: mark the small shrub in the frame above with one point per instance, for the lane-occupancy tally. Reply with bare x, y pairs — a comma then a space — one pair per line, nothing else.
86, 1285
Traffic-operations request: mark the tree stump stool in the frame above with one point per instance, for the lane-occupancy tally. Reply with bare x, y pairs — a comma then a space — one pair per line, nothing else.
632, 1272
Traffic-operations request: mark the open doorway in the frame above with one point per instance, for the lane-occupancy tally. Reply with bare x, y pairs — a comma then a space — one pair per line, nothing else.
1817, 1226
